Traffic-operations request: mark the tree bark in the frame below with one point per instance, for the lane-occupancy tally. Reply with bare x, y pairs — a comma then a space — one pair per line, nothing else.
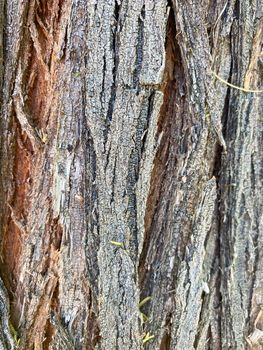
131, 174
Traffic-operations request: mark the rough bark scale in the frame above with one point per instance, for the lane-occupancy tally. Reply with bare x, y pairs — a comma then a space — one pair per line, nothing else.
129, 170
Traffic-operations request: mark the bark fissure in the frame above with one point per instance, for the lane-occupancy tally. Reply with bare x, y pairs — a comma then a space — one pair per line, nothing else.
139, 48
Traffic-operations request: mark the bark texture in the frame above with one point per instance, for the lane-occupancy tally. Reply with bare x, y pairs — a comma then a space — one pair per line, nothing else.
131, 168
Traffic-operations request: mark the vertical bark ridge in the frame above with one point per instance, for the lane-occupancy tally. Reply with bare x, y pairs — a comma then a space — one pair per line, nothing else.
159, 263
32, 235
241, 222
119, 157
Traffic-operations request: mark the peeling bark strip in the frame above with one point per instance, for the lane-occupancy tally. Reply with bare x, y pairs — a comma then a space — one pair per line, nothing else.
129, 171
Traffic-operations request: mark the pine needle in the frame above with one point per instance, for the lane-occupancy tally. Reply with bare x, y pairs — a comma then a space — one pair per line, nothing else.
235, 86
144, 301
117, 244
143, 317
147, 337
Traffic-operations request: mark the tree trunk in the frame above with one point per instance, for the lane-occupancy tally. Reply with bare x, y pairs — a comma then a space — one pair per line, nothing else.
131, 167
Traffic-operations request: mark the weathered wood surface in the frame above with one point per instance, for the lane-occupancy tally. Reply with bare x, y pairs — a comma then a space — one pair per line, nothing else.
129, 170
